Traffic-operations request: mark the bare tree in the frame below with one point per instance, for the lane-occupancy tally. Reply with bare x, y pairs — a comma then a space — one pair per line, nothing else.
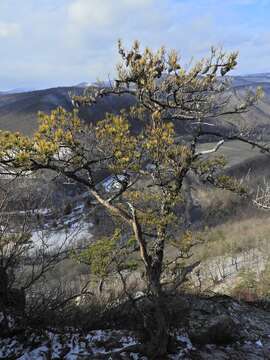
29, 255
262, 197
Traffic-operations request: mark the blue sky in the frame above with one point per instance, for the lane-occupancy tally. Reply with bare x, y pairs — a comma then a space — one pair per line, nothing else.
61, 42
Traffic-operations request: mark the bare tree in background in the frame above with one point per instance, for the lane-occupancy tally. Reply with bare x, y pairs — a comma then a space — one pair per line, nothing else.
28, 256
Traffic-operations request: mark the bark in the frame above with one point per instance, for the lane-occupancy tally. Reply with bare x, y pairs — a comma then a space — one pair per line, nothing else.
157, 331
156, 322
3, 286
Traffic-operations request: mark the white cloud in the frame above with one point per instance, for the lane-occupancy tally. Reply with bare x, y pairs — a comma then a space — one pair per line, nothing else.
98, 13
69, 41
94, 13
9, 29
94, 26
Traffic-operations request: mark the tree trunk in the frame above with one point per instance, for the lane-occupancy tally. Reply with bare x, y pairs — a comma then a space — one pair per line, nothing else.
157, 331
156, 322
3, 287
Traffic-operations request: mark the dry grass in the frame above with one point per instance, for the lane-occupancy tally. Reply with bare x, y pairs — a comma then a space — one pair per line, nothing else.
236, 236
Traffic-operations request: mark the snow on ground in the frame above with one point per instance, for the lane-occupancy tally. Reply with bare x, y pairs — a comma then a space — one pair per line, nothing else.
72, 345
71, 229
68, 346
64, 237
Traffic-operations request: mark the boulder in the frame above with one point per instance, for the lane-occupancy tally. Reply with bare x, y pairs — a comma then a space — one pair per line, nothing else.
219, 330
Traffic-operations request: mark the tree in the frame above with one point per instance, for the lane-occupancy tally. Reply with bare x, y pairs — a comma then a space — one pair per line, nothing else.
30, 290
149, 164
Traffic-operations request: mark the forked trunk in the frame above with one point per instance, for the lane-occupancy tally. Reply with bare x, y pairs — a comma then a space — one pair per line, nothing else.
155, 322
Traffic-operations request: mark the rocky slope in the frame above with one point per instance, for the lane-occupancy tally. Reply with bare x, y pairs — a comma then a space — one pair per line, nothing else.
216, 327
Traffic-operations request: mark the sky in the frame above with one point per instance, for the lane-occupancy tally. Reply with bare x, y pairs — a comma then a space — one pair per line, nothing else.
46, 43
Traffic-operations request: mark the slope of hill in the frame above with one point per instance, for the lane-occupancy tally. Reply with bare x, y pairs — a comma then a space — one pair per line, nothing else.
18, 111
259, 114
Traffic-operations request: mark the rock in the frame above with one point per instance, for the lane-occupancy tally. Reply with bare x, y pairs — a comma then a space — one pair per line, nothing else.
218, 330
215, 355
127, 356
121, 356
100, 356
111, 344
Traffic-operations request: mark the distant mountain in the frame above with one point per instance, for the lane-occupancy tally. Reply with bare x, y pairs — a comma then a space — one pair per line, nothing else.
83, 84
18, 110
86, 84
259, 115
16, 91
251, 79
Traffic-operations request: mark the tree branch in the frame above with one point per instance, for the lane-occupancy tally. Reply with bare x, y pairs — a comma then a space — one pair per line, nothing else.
210, 151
